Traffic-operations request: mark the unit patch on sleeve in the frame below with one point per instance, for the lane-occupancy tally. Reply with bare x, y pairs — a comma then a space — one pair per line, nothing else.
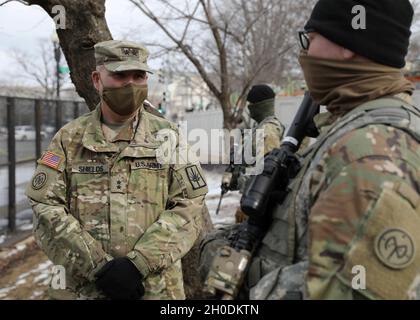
39, 180
195, 177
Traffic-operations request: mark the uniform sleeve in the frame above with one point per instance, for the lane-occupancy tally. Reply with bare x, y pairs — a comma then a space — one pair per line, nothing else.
287, 283
178, 227
362, 225
272, 137
57, 232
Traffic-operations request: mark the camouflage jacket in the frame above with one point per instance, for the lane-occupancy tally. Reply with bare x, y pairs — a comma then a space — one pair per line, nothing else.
357, 219
95, 199
273, 132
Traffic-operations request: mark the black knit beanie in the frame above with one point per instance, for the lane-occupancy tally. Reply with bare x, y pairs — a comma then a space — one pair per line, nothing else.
260, 93
386, 37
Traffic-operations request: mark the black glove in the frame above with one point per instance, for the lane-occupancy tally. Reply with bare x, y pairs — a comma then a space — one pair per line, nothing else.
119, 279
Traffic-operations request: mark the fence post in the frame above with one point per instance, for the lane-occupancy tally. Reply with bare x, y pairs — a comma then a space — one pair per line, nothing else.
58, 115
38, 121
11, 146
76, 110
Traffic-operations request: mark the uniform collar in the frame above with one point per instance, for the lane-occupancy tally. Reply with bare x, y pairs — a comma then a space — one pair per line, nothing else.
138, 135
324, 121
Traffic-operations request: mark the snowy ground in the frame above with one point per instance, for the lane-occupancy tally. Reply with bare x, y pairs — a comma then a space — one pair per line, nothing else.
28, 277
230, 201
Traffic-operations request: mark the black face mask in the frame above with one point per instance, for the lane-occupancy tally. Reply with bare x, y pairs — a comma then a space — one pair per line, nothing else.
261, 110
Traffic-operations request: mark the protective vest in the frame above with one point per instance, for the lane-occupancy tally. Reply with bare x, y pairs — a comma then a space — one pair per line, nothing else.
286, 239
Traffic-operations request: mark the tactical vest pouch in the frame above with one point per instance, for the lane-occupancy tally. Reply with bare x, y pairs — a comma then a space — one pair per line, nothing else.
387, 245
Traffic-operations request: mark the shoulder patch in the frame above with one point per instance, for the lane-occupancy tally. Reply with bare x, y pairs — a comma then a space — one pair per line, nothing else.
395, 248
51, 159
39, 180
194, 176
192, 180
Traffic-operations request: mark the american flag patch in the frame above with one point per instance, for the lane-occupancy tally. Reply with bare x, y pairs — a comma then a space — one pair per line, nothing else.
51, 159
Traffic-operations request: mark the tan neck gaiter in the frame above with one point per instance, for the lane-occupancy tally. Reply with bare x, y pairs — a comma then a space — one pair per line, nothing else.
344, 85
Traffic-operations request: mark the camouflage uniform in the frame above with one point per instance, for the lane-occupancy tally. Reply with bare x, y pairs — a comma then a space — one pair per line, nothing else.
273, 135
355, 203
94, 200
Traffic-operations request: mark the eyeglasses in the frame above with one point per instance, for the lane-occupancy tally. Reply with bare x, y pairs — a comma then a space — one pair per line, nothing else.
304, 39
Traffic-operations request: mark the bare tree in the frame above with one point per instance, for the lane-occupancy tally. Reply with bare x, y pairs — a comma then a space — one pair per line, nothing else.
268, 51
230, 44
39, 66
85, 26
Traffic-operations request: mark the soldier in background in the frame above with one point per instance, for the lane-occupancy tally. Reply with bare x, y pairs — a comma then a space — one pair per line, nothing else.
348, 228
105, 206
261, 99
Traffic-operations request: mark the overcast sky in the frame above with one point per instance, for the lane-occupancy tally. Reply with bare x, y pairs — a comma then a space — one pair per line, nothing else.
22, 27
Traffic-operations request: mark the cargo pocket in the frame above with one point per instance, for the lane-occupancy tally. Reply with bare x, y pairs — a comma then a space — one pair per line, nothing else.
387, 245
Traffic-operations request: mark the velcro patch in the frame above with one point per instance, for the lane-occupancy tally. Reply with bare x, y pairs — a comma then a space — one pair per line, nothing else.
146, 164
52, 160
386, 247
93, 168
395, 248
39, 180
130, 52
194, 176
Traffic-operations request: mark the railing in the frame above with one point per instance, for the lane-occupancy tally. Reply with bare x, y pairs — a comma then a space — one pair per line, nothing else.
28, 125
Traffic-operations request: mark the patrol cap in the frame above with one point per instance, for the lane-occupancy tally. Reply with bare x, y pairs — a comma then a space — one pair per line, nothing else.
118, 55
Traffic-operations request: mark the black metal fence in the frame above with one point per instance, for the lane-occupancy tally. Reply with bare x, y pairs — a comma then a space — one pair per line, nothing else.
26, 128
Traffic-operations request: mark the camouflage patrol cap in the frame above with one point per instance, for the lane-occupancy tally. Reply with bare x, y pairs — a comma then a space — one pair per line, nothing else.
117, 55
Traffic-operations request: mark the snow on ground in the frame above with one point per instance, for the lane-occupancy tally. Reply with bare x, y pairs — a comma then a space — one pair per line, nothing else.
28, 280
230, 201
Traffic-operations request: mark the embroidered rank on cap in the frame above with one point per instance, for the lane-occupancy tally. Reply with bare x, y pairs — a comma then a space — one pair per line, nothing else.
51, 160
130, 52
194, 175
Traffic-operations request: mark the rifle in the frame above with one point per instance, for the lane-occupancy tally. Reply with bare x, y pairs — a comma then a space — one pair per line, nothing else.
224, 191
229, 267
231, 181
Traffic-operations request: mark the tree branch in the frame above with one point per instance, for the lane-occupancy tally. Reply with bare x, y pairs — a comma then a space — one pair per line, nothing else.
184, 48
